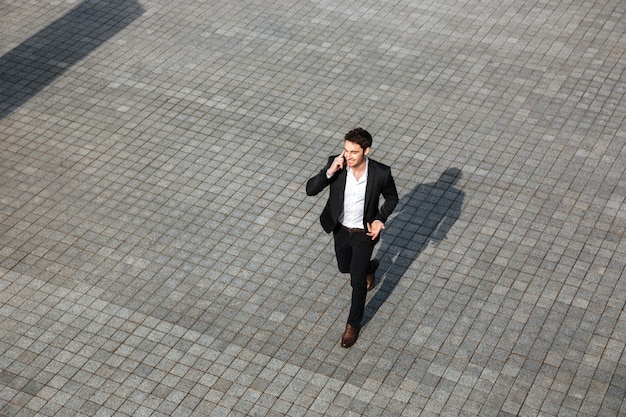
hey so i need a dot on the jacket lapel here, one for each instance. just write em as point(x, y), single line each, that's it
point(371, 177)
point(341, 186)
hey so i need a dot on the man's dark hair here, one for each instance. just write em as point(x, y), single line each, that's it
point(359, 136)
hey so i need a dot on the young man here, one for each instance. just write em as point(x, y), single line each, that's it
point(353, 215)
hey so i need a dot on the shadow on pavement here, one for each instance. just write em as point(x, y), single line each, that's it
point(39, 60)
point(427, 214)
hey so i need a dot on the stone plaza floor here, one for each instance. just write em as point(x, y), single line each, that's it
point(159, 255)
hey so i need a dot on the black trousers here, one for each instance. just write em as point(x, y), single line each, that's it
point(354, 252)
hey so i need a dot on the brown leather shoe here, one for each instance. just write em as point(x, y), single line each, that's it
point(370, 279)
point(349, 336)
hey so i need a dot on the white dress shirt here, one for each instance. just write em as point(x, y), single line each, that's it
point(354, 199)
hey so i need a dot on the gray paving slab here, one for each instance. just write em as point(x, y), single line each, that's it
point(159, 256)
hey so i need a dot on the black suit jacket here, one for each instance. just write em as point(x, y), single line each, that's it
point(379, 182)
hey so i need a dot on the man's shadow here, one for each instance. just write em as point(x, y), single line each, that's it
point(426, 215)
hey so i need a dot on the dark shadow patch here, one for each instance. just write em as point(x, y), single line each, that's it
point(39, 60)
point(427, 214)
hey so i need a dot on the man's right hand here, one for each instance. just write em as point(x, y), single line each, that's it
point(337, 165)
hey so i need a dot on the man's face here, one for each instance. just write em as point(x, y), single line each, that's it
point(354, 154)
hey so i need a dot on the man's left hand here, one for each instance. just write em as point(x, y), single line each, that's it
point(374, 228)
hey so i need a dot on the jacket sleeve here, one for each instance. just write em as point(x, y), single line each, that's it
point(316, 184)
point(390, 194)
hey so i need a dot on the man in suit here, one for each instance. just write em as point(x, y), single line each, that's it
point(354, 216)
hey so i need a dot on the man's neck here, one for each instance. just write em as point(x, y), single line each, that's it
point(359, 170)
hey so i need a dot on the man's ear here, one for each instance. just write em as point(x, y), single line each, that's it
point(366, 151)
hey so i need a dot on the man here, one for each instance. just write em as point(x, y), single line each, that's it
point(353, 215)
